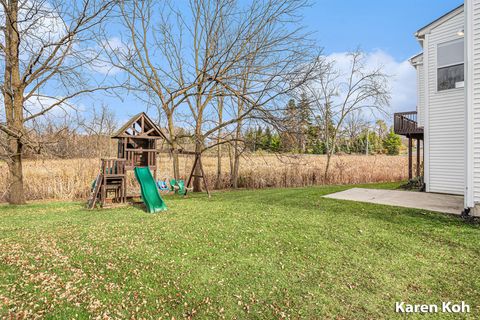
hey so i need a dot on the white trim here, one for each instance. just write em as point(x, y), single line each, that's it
point(469, 136)
point(450, 65)
point(426, 144)
point(416, 59)
point(425, 30)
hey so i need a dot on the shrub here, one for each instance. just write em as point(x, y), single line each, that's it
point(392, 143)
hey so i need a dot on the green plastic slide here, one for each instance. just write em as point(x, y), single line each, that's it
point(150, 195)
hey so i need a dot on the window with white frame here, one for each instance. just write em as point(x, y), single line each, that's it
point(450, 65)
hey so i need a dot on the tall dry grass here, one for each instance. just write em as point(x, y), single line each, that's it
point(71, 179)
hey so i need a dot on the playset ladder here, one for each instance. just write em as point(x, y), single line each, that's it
point(94, 194)
point(112, 178)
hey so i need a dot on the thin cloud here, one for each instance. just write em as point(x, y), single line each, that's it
point(103, 65)
point(402, 77)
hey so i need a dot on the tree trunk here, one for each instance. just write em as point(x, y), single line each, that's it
point(230, 157)
point(197, 185)
point(327, 167)
point(236, 152)
point(13, 99)
point(173, 146)
point(176, 164)
point(218, 183)
point(235, 168)
point(236, 158)
point(15, 170)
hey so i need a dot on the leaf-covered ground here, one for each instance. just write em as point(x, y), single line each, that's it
point(247, 254)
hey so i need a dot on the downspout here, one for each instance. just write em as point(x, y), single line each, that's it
point(426, 118)
point(469, 201)
point(417, 65)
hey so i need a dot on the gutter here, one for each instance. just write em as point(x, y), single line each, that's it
point(469, 201)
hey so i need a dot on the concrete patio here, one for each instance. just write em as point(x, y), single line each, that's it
point(420, 200)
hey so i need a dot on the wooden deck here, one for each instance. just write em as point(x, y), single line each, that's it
point(405, 124)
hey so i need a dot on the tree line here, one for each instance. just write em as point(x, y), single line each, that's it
point(306, 136)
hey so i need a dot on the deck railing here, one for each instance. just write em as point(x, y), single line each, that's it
point(405, 123)
point(113, 167)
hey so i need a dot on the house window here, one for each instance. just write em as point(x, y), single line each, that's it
point(450, 72)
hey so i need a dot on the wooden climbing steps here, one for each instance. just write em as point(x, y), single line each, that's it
point(110, 180)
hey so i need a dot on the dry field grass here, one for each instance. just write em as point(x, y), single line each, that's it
point(71, 179)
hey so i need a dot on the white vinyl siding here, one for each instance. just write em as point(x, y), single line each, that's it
point(446, 119)
point(476, 98)
point(420, 95)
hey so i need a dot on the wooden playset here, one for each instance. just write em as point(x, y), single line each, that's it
point(137, 150)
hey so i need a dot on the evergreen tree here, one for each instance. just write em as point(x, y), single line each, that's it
point(275, 144)
point(392, 143)
point(250, 139)
point(303, 122)
point(267, 139)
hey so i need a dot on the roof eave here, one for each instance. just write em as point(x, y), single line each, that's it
point(121, 132)
point(416, 59)
point(426, 29)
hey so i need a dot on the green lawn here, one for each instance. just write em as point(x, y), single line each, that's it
point(247, 254)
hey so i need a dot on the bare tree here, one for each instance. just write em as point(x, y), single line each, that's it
point(151, 53)
point(355, 123)
point(256, 56)
point(100, 124)
point(336, 94)
point(176, 59)
point(219, 140)
point(45, 55)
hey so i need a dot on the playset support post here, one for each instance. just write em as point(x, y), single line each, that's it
point(197, 162)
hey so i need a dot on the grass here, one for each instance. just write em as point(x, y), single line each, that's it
point(246, 254)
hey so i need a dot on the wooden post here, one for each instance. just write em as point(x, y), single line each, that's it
point(203, 174)
point(103, 191)
point(154, 160)
point(123, 182)
point(418, 158)
point(192, 172)
point(197, 162)
point(410, 164)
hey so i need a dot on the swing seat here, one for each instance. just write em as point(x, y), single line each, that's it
point(173, 185)
point(181, 187)
point(162, 185)
point(178, 186)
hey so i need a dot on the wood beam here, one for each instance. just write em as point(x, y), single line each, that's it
point(418, 158)
point(410, 164)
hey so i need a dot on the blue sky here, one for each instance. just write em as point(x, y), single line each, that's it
point(383, 29)
point(386, 25)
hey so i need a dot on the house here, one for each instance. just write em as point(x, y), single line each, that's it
point(447, 118)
